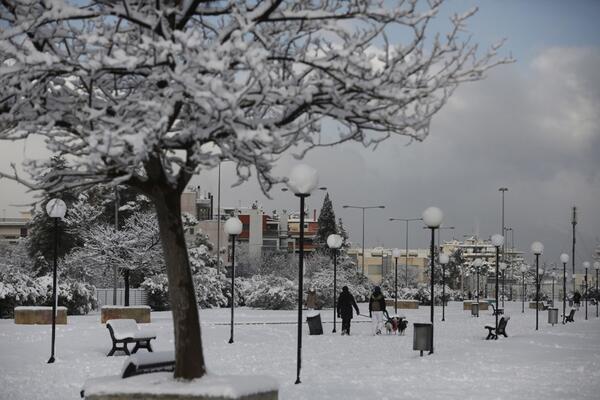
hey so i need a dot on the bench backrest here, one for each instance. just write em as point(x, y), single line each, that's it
point(502, 324)
point(122, 328)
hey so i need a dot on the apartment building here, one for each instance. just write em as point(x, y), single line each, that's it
point(12, 229)
point(379, 262)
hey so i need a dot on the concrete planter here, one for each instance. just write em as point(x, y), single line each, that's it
point(483, 305)
point(405, 304)
point(161, 385)
point(540, 305)
point(39, 315)
point(141, 314)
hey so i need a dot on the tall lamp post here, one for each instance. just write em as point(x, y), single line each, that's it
point(443, 259)
point(597, 267)
point(564, 259)
point(407, 220)
point(396, 254)
point(432, 217)
point(233, 227)
point(503, 232)
point(334, 242)
point(586, 265)
point(302, 181)
point(502, 267)
point(537, 248)
point(523, 271)
point(363, 229)
point(477, 264)
point(56, 208)
point(497, 241)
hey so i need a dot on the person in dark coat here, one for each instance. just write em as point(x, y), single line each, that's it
point(344, 309)
point(376, 309)
point(577, 299)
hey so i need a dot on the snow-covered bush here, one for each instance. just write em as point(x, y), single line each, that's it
point(18, 289)
point(156, 287)
point(270, 292)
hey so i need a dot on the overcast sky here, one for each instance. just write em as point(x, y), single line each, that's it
point(533, 126)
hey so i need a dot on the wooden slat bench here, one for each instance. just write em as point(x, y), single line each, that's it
point(125, 331)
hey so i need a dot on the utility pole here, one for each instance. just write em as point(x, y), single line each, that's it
point(503, 189)
point(573, 222)
point(116, 229)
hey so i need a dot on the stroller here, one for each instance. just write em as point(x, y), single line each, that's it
point(395, 324)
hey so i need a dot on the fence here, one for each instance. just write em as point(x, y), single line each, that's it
point(137, 297)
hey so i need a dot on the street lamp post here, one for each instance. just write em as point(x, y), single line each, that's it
point(497, 241)
point(523, 270)
point(564, 258)
point(503, 272)
point(443, 259)
point(537, 248)
point(363, 229)
point(586, 265)
point(396, 254)
point(503, 190)
point(597, 267)
point(407, 220)
point(432, 217)
point(233, 227)
point(56, 208)
point(477, 264)
point(334, 242)
point(302, 181)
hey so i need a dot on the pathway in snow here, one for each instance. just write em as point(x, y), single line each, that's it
point(554, 363)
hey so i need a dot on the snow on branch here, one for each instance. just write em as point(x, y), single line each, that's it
point(131, 90)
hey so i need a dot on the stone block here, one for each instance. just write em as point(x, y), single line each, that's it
point(39, 315)
point(141, 314)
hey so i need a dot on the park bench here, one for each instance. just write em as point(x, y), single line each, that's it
point(125, 331)
point(497, 311)
point(571, 316)
point(492, 334)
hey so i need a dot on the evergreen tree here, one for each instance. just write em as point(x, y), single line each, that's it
point(342, 232)
point(327, 224)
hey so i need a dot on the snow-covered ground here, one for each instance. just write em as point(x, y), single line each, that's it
point(557, 362)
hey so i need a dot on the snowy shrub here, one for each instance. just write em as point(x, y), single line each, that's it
point(18, 289)
point(270, 292)
point(78, 297)
point(156, 287)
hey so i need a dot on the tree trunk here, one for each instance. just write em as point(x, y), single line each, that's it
point(189, 358)
point(126, 284)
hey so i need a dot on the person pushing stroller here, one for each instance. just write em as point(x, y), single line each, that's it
point(344, 309)
point(376, 309)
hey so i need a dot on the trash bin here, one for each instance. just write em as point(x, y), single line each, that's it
point(422, 337)
point(315, 327)
point(475, 309)
point(553, 316)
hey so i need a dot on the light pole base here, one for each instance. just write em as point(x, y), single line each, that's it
point(230, 340)
point(297, 381)
point(51, 360)
point(333, 331)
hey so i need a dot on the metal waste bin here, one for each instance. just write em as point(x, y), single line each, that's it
point(422, 337)
point(315, 327)
point(553, 316)
point(475, 309)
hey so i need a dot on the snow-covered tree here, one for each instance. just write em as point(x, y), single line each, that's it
point(136, 91)
point(327, 225)
point(342, 232)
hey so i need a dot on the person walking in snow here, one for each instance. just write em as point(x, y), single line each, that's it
point(376, 309)
point(345, 304)
point(577, 299)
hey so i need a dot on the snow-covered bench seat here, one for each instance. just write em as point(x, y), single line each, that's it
point(125, 331)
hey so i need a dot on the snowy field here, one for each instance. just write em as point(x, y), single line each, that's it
point(557, 362)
